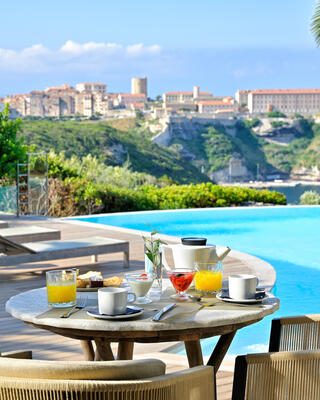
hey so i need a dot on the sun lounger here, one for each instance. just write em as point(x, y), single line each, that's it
point(3, 224)
point(30, 233)
point(16, 253)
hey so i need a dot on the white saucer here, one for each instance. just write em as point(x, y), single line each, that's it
point(244, 301)
point(95, 313)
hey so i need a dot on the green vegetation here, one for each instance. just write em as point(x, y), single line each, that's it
point(315, 23)
point(96, 172)
point(78, 196)
point(111, 146)
point(310, 197)
point(275, 114)
point(252, 123)
point(113, 143)
point(279, 124)
point(12, 148)
point(298, 116)
point(303, 151)
point(213, 147)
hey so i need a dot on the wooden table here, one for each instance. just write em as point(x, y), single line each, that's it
point(186, 323)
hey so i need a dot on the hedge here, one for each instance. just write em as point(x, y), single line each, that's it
point(77, 196)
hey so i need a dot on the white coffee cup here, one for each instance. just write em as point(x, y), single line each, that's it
point(113, 301)
point(242, 286)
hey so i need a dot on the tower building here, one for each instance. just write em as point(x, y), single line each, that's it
point(139, 86)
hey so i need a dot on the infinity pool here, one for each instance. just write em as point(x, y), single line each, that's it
point(286, 237)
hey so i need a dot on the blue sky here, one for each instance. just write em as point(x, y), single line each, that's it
point(222, 45)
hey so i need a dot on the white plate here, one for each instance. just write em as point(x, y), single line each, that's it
point(244, 301)
point(96, 314)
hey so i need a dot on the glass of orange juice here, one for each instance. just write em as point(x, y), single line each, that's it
point(61, 288)
point(208, 278)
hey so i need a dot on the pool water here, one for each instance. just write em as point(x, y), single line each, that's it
point(286, 237)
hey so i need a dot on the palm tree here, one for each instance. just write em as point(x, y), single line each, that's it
point(315, 23)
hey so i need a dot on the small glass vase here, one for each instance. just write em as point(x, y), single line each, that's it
point(156, 288)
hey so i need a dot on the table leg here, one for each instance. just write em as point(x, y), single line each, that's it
point(194, 352)
point(87, 349)
point(103, 350)
point(220, 350)
point(126, 259)
point(125, 350)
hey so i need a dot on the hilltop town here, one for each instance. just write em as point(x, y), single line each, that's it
point(268, 146)
point(93, 100)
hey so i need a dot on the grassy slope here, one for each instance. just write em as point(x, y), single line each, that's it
point(82, 138)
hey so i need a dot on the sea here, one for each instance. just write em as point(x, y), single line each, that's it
point(293, 193)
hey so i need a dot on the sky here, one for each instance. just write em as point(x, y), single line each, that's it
point(220, 45)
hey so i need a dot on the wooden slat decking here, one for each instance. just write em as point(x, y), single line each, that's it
point(15, 335)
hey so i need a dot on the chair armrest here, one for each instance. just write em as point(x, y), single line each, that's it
point(22, 354)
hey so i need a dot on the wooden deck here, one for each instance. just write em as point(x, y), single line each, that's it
point(15, 335)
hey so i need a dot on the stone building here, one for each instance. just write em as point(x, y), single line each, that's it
point(139, 86)
point(208, 107)
point(127, 100)
point(287, 101)
point(185, 100)
point(91, 87)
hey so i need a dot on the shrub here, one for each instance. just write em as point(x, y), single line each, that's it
point(310, 197)
point(278, 124)
point(275, 114)
point(78, 196)
point(12, 148)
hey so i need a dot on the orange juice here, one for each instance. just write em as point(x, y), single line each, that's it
point(208, 281)
point(63, 292)
point(61, 288)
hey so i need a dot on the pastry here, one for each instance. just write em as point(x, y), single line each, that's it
point(113, 281)
point(90, 279)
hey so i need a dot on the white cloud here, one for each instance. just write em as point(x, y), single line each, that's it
point(92, 55)
point(137, 50)
point(76, 48)
point(258, 348)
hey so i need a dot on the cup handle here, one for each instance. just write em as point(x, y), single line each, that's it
point(134, 297)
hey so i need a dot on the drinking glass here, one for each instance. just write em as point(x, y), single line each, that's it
point(61, 288)
point(208, 277)
point(181, 280)
point(140, 284)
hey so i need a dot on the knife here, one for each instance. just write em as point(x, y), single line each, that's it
point(163, 311)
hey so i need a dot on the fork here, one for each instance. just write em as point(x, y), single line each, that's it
point(82, 302)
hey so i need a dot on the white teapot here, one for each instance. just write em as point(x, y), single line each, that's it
point(192, 250)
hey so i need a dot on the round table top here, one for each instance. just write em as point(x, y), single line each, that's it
point(32, 307)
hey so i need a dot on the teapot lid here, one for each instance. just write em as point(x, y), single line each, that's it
point(194, 241)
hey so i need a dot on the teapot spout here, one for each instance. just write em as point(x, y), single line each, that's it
point(222, 251)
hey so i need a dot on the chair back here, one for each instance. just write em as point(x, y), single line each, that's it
point(295, 333)
point(277, 376)
point(106, 380)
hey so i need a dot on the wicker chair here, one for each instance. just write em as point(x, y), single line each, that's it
point(85, 380)
point(277, 376)
point(295, 333)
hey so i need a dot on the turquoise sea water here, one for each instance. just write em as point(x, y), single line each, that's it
point(286, 237)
